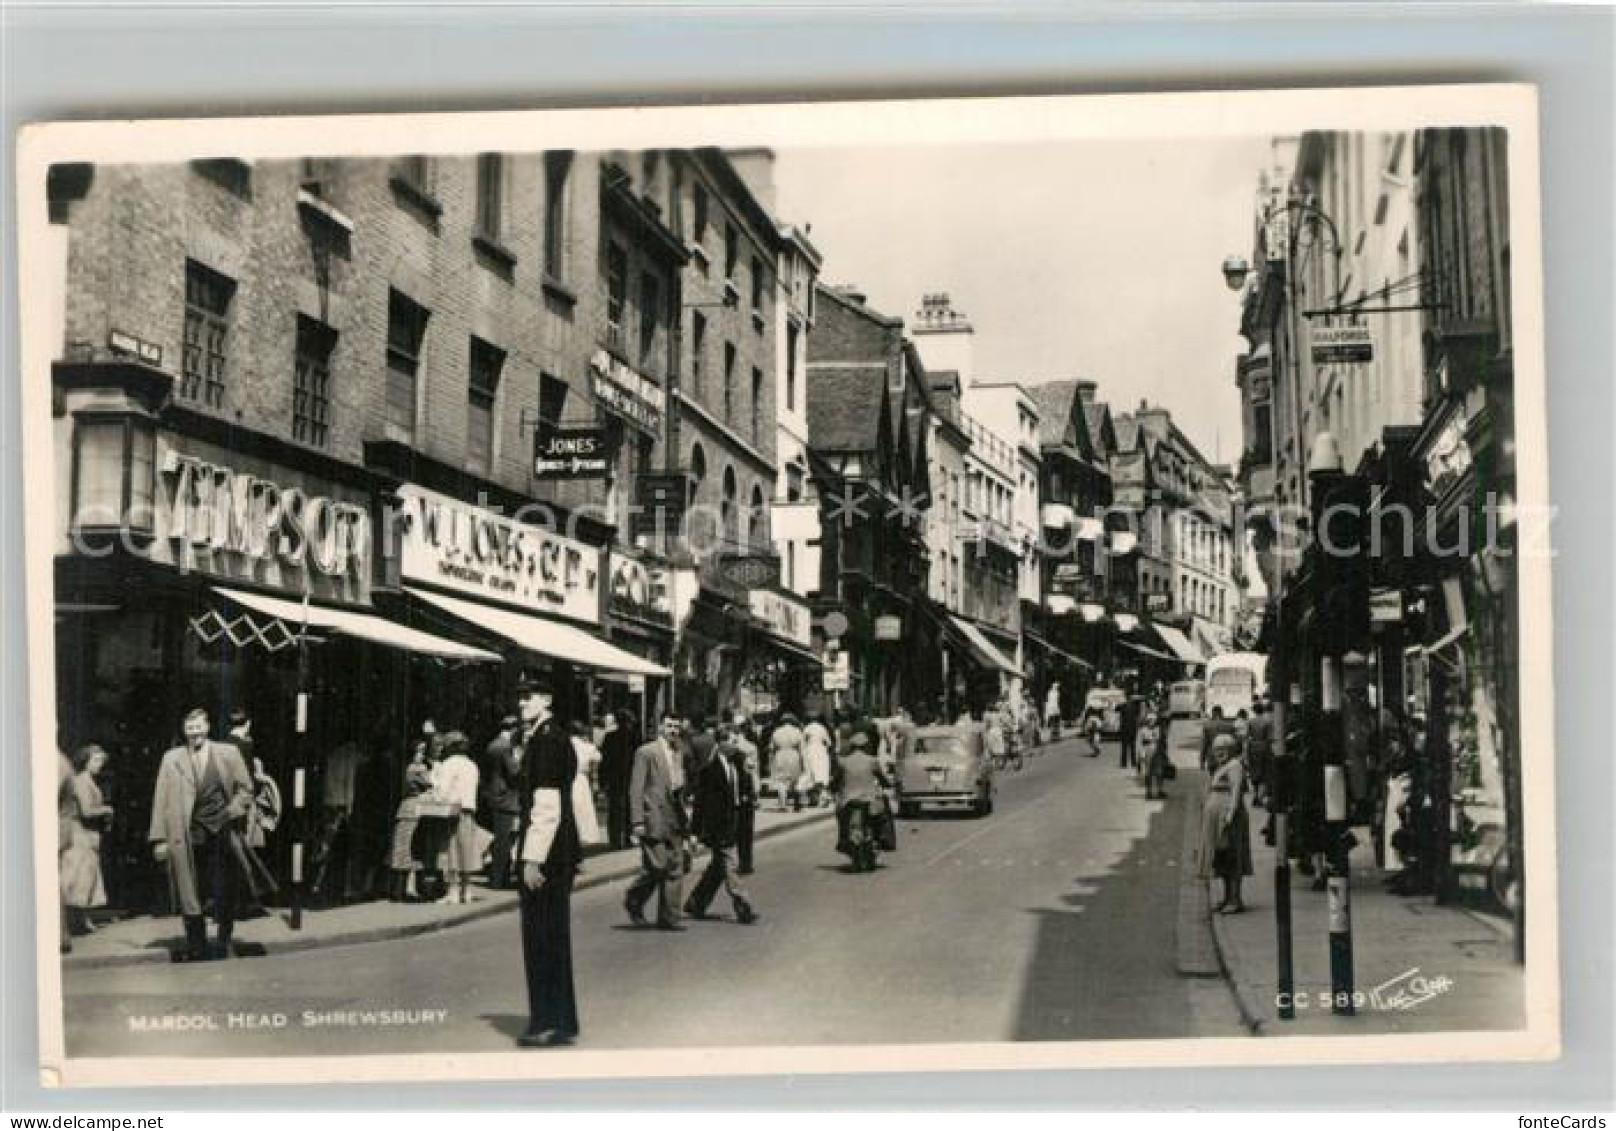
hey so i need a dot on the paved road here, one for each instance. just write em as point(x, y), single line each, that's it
point(1051, 919)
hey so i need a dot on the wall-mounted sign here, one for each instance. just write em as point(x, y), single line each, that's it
point(149, 352)
point(625, 392)
point(249, 522)
point(1158, 602)
point(660, 502)
point(838, 674)
point(787, 617)
point(572, 453)
point(749, 571)
point(1448, 457)
point(1385, 606)
point(474, 550)
point(889, 628)
point(639, 589)
point(1342, 344)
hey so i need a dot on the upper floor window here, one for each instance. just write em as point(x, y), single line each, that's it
point(757, 283)
point(698, 212)
point(616, 292)
point(729, 381)
point(406, 336)
point(490, 194)
point(482, 391)
point(557, 167)
point(698, 347)
point(311, 382)
point(552, 398)
point(791, 368)
point(732, 250)
point(650, 310)
point(757, 404)
point(206, 346)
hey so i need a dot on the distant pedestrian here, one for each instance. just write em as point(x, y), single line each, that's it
point(1214, 727)
point(454, 780)
point(403, 862)
point(720, 796)
point(818, 751)
point(1225, 846)
point(67, 811)
point(1128, 733)
point(617, 748)
point(744, 753)
point(786, 762)
point(83, 888)
point(499, 799)
point(660, 825)
point(1052, 713)
point(1260, 751)
point(551, 855)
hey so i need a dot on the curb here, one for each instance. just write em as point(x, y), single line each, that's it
point(1250, 1016)
point(359, 936)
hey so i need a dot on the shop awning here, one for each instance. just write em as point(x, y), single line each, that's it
point(544, 636)
point(987, 655)
point(792, 651)
point(1061, 652)
point(362, 626)
point(1144, 651)
point(1179, 644)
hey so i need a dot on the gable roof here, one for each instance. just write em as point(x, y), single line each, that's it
point(1102, 432)
point(845, 405)
point(1127, 431)
point(1054, 401)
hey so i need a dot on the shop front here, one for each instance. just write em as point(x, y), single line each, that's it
point(640, 592)
point(782, 671)
point(199, 564)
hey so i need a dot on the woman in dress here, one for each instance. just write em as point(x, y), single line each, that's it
point(1225, 849)
point(83, 888)
point(406, 819)
point(817, 751)
point(785, 761)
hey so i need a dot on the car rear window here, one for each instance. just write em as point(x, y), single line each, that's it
point(938, 744)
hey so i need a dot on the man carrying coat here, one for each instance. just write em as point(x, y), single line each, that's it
point(201, 799)
point(551, 853)
point(723, 792)
point(656, 812)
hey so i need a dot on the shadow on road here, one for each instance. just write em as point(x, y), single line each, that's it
point(1106, 968)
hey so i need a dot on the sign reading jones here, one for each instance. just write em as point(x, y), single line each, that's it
point(572, 453)
point(216, 512)
point(461, 546)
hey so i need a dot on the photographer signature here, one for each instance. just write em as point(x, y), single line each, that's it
point(1409, 989)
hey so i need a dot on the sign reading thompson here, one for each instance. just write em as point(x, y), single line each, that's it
point(457, 545)
point(1336, 344)
point(625, 392)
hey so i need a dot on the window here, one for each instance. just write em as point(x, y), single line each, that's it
point(698, 471)
point(481, 392)
point(650, 304)
point(207, 334)
point(732, 251)
point(729, 508)
point(616, 293)
point(415, 171)
point(676, 198)
point(794, 482)
point(557, 166)
point(757, 404)
point(552, 398)
point(791, 369)
point(698, 344)
point(758, 520)
point(317, 176)
point(406, 331)
point(698, 208)
point(311, 382)
point(490, 194)
point(729, 381)
point(757, 284)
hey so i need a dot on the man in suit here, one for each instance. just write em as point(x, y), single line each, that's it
point(202, 796)
point(499, 797)
point(551, 854)
point(722, 788)
point(616, 762)
point(659, 825)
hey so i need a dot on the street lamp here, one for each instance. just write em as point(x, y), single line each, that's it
point(1235, 270)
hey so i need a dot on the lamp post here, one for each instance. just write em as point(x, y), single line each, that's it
point(1299, 216)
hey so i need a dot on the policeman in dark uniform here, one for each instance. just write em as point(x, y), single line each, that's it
point(550, 854)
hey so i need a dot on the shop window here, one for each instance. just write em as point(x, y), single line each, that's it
point(616, 293)
point(206, 346)
point(406, 334)
point(311, 382)
point(482, 394)
point(557, 168)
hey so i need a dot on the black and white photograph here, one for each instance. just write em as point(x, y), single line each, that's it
point(1035, 582)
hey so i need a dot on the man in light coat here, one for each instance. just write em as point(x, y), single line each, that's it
point(201, 799)
point(660, 826)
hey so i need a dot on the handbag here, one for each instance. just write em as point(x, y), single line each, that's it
point(1169, 772)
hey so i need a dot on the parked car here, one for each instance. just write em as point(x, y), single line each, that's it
point(1105, 703)
point(946, 767)
point(1186, 699)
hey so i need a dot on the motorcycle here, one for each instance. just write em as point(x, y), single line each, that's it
point(860, 836)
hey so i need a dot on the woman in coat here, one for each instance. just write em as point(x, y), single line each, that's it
point(785, 761)
point(1225, 848)
point(83, 888)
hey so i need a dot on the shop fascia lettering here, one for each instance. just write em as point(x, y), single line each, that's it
point(472, 549)
point(785, 617)
point(219, 510)
point(640, 590)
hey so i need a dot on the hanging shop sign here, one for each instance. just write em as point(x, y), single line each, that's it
point(639, 590)
point(786, 617)
point(838, 674)
point(233, 516)
point(889, 628)
point(1448, 457)
point(1342, 344)
point(749, 571)
point(572, 453)
point(460, 546)
point(625, 392)
point(1385, 606)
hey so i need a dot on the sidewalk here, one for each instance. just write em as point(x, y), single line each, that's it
point(147, 939)
point(1419, 967)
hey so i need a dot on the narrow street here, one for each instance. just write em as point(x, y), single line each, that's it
point(1060, 924)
